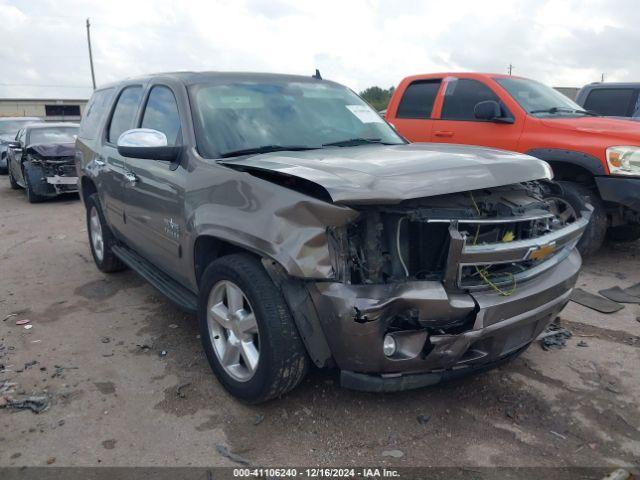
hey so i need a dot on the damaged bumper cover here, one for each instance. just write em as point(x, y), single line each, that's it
point(464, 330)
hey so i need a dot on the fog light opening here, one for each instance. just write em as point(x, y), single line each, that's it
point(389, 346)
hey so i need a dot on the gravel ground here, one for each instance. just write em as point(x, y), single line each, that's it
point(116, 401)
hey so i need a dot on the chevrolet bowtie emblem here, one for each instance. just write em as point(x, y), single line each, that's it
point(542, 252)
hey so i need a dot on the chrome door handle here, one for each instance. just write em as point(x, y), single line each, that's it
point(99, 162)
point(131, 178)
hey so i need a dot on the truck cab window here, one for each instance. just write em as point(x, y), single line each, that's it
point(418, 99)
point(614, 102)
point(461, 97)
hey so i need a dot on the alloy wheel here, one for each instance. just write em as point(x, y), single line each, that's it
point(233, 330)
point(95, 230)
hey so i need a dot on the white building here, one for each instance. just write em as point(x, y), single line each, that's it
point(54, 110)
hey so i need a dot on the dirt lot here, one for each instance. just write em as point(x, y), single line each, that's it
point(116, 401)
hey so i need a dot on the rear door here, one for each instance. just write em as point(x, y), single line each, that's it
point(113, 174)
point(14, 156)
point(155, 217)
point(413, 115)
point(457, 123)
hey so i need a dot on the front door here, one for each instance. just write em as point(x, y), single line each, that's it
point(457, 122)
point(112, 167)
point(155, 195)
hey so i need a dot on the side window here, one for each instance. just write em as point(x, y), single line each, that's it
point(461, 97)
point(161, 113)
point(616, 102)
point(94, 112)
point(21, 136)
point(418, 99)
point(124, 113)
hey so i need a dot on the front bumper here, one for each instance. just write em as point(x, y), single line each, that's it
point(621, 190)
point(491, 327)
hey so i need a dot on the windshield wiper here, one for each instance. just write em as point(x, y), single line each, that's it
point(352, 142)
point(554, 110)
point(265, 149)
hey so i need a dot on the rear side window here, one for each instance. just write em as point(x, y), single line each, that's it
point(161, 113)
point(461, 97)
point(615, 102)
point(94, 113)
point(125, 112)
point(418, 99)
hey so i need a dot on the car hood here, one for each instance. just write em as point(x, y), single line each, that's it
point(53, 149)
point(393, 173)
point(605, 126)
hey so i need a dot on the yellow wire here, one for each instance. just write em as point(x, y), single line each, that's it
point(483, 273)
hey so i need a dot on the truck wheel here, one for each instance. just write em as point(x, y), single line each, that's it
point(594, 235)
point(12, 181)
point(32, 196)
point(100, 238)
point(624, 233)
point(247, 331)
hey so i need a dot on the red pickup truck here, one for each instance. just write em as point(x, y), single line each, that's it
point(593, 156)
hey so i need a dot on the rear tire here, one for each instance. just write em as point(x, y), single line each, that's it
point(100, 238)
point(594, 235)
point(624, 233)
point(281, 361)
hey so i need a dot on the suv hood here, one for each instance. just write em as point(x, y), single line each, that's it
point(393, 173)
point(605, 126)
point(53, 149)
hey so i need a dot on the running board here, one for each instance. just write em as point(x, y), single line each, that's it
point(183, 298)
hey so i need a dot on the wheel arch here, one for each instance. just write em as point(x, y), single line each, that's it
point(87, 188)
point(570, 165)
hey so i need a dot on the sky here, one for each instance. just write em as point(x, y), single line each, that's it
point(359, 43)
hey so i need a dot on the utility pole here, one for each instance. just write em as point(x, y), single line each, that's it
point(93, 75)
point(510, 69)
point(602, 77)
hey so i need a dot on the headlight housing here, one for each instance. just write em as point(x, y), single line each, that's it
point(624, 160)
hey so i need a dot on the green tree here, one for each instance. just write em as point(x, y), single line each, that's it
point(377, 97)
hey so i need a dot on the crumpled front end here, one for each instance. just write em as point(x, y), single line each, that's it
point(433, 288)
point(52, 169)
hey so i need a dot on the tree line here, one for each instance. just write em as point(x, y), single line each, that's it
point(377, 97)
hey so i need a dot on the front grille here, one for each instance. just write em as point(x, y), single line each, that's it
point(502, 251)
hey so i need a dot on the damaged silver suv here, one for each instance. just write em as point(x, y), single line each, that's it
point(302, 228)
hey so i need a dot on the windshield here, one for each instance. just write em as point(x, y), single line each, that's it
point(235, 117)
point(53, 135)
point(538, 99)
point(11, 127)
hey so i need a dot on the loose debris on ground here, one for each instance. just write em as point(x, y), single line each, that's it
point(555, 336)
point(35, 404)
point(594, 302)
point(225, 452)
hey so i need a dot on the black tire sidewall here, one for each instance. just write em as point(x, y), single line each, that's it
point(270, 311)
point(109, 263)
point(594, 235)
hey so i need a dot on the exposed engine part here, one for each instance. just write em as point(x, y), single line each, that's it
point(411, 240)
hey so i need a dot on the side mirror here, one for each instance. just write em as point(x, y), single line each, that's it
point(14, 145)
point(487, 110)
point(146, 143)
point(490, 110)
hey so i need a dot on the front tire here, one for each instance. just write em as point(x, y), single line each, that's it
point(12, 181)
point(32, 196)
point(594, 235)
point(247, 331)
point(100, 238)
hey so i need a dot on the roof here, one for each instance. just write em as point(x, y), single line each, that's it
point(460, 74)
point(192, 78)
point(613, 85)
point(52, 124)
point(26, 119)
point(43, 100)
